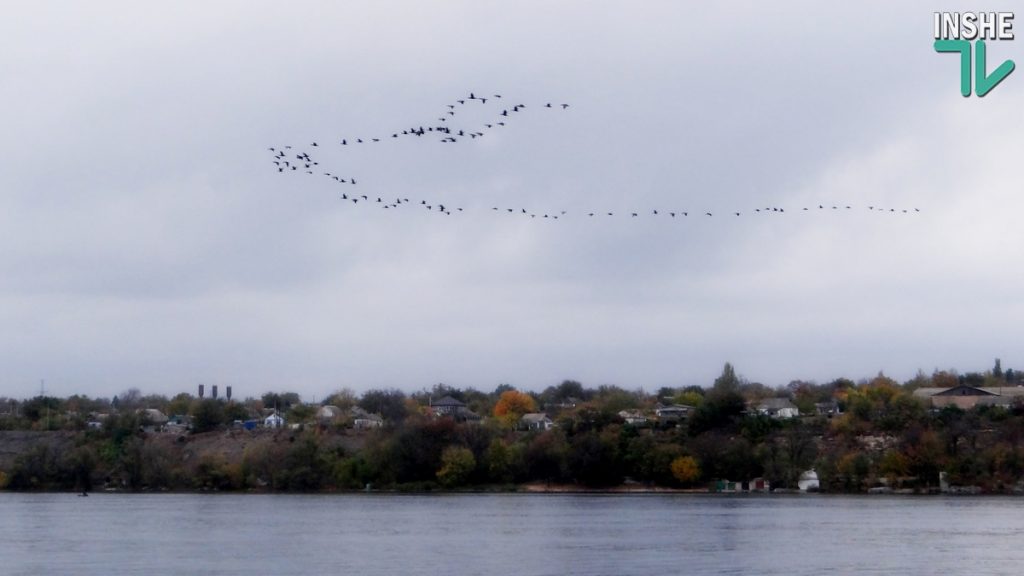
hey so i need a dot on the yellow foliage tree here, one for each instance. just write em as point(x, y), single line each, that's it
point(512, 405)
point(685, 469)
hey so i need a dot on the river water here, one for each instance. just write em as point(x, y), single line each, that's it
point(520, 534)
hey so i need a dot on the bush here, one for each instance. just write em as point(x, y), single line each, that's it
point(457, 463)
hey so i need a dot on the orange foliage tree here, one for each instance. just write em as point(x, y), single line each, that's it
point(685, 469)
point(512, 405)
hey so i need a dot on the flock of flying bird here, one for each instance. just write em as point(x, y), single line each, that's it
point(288, 160)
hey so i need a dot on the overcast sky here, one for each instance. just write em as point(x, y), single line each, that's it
point(147, 240)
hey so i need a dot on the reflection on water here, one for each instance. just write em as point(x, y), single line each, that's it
point(525, 534)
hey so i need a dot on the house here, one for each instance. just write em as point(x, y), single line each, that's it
point(672, 413)
point(966, 397)
point(327, 415)
point(536, 421)
point(365, 421)
point(777, 408)
point(274, 421)
point(447, 406)
point(633, 417)
point(453, 408)
point(830, 408)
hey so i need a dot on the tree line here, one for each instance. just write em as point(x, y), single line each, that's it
point(856, 435)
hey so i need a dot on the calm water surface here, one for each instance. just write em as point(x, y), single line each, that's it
point(521, 534)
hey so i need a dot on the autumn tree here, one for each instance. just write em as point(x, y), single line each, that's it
point(685, 469)
point(512, 405)
point(690, 396)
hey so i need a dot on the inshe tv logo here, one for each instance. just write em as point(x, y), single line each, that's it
point(954, 33)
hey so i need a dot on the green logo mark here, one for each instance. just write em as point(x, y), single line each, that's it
point(983, 82)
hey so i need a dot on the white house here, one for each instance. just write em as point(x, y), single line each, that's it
point(778, 408)
point(633, 417)
point(366, 421)
point(274, 421)
point(536, 421)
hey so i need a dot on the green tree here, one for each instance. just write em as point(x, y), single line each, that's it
point(207, 415)
point(545, 456)
point(390, 404)
point(723, 405)
point(305, 466)
point(280, 401)
point(457, 463)
point(82, 463)
point(344, 399)
point(179, 404)
point(593, 460)
point(300, 413)
point(727, 382)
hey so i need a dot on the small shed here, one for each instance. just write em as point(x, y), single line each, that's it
point(274, 421)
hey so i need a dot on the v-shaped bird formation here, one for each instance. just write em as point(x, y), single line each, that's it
point(444, 130)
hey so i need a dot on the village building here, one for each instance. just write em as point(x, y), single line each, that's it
point(672, 414)
point(365, 421)
point(777, 408)
point(633, 417)
point(966, 397)
point(536, 421)
point(327, 415)
point(453, 408)
point(153, 419)
point(275, 420)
